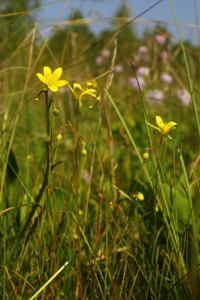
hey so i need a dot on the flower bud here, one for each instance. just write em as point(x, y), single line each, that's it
point(145, 155)
point(138, 196)
point(157, 207)
point(76, 237)
point(36, 99)
point(56, 112)
point(84, 152)
point(98, 98)
point(59, 137)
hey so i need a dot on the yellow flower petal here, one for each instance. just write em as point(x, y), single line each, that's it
point(159, 122)
point(61, 83)
point(77, 86)
point(47, 71)
point(57, 73)
point(89, 92)
point(170, 126)
point(42, 78)
point(53, 88)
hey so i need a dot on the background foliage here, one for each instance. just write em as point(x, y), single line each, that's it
point(116, 246)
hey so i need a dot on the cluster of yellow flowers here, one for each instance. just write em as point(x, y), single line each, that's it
point(53, 82)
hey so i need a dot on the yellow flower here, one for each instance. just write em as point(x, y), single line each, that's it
point(79, 92)
point(51, 79)
point(163, 128)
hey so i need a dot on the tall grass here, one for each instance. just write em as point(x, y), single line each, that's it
point(116, 223)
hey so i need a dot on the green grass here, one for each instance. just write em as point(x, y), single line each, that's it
point(71, 226)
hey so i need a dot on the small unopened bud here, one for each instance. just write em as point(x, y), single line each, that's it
point(76, 237)
point(84, 152)
point(98, 98)
point(145, 155)
point(56, 112)
point(138, 196)
point(36, 99)
point(157, 207)
point(59, 137)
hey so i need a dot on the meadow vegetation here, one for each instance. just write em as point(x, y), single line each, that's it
point(99, 195)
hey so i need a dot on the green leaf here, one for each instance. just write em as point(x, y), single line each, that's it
point(12, 167)
point(179, 205)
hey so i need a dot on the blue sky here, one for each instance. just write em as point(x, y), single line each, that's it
point(100, 13)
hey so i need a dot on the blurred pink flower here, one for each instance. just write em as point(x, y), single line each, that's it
point(164, 56)
point(132, 81)
point(86, 176)
point(143, 53)
point(166, 78)
point(118, 68)
point(142, 71)
point(99, 60)
point(105, 52)
point(155, 96)
point(142, 50)
point(160, 39)
point(184, 96)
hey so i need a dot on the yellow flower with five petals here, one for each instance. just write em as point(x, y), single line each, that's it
point(163, 128)
point(78, 92)
point(52, 79)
